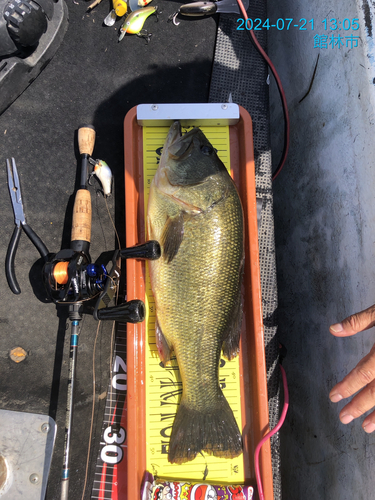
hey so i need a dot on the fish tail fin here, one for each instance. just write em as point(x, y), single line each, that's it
point(214, 431)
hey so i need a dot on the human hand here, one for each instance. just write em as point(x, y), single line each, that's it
point(361, 378)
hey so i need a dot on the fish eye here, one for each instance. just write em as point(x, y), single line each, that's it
point(207, 150)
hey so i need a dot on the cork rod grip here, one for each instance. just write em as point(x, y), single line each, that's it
point(86, 139)
point(81, 226)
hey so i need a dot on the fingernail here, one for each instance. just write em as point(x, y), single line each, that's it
point(335, 398)
point(337, 328)
point(346, 419)
point(370, 427)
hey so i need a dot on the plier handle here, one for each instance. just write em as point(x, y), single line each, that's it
point(20, 221)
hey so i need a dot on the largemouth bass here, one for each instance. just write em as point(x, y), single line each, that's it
point(195, 213)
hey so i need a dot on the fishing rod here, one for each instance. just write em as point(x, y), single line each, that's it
point(69, 276)
point(79, 243)
point(84, 280)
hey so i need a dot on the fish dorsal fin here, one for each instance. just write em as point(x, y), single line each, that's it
point(172, 236)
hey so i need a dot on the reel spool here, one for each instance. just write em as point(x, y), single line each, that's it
point(71, 277)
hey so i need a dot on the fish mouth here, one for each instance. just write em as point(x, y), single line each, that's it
point(182, 145)
point(177, 145)
point(174, 134)
point(186, 160)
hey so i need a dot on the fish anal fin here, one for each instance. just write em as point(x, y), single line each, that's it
point(172, 236)
point(164, 349)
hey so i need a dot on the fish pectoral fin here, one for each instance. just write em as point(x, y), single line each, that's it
point(172, 236)
point(164, 349)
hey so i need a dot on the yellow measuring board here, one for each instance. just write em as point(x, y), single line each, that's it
point(163, 385)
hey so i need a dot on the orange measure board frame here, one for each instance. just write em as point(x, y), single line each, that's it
point(253, 379)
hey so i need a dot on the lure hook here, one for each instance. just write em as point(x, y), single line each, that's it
point(90, 177)
point(90, 183)
point(173, 17)
point(146, 35)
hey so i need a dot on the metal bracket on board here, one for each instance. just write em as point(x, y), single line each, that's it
point(26, 446)
point(209, 114)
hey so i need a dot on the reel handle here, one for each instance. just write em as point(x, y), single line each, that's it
point(149, 250)
point(133, 311)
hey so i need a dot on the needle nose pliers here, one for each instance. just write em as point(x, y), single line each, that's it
point(20, 221)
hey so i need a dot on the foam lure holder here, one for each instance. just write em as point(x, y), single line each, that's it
point(153, 489)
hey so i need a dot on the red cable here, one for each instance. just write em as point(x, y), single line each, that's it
point(270, 434)
point(281, 91)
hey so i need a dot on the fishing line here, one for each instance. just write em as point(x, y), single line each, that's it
point(111, 367)
point(92, 410)
point(270, 434)
point(60, 272)
point(113, 327)
point(93, 364)
point(113, 224)
point(280, 88)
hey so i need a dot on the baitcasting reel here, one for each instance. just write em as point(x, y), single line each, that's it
point(71, 277)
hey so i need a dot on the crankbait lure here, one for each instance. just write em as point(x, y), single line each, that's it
point(137, 4)
point(133, 24)
point(104, 174)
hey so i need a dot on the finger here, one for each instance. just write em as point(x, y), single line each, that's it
point(362, 375)
point(360, 404)
point(355, 323)
point(369, 423)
